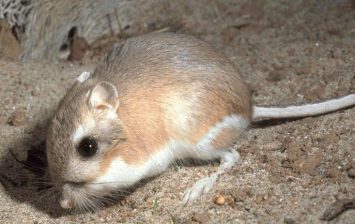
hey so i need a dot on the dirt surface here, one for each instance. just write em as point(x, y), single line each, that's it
point(289, 52)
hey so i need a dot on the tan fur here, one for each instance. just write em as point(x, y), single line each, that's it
point(144, 129)
point(169, 86)
point(225, 138)
point(149, 125)
point(147, 108)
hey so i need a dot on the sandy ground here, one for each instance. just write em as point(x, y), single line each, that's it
point(289, 52)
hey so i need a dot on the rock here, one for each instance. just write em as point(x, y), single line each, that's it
point(259, 198)
point(9, 46)
point(219, 200)
point(18, 118)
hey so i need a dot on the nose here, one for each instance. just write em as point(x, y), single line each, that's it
point(68, 190)
point(66, 203)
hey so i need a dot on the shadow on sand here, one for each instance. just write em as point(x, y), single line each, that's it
point(27, 180)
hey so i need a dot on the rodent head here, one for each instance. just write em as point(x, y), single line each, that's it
point(85, 127)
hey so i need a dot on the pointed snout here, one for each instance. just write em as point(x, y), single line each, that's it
point(68, 190)
point(66, 203)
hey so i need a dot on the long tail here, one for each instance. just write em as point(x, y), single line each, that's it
point(307, 110)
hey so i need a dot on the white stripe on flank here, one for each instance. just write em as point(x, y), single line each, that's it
point(121, 174)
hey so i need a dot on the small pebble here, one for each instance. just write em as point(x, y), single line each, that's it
point(259, 198)
point(219, 200)
point(18, 118)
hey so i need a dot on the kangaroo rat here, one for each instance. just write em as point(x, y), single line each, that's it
point(156, 98)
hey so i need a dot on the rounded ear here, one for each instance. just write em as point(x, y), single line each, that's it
point(104, 96)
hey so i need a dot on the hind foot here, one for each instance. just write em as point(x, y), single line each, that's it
point(204, 185)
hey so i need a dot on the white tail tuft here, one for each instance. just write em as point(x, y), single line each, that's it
point(312, 109)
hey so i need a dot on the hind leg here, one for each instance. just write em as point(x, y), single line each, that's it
point(217, 144)
point(204, 185)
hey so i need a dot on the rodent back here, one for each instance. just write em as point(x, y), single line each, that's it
point(159, 60)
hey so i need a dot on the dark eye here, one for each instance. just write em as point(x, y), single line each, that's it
point(87, 147)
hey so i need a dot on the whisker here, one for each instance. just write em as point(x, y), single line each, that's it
point(112, 182)
point(80, 204)
point(118, 193)
point(18, 177)
point(105, 199)
point(94, 205)
point(43, 196)
point(97, 202)
point(46, 194)
point(98, 199)
point(26, 164)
